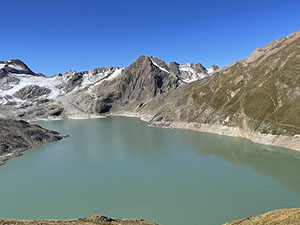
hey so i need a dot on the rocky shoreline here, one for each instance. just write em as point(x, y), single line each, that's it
point(19, 136)
point(290, 142)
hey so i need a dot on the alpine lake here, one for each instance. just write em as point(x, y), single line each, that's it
point(122, 168)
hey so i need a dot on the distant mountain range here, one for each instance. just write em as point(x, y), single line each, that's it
point(257, 97)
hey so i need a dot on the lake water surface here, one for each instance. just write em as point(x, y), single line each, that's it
point(122, 168)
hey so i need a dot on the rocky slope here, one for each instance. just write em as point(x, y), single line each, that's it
point(94, 220)
point(27, 95)
point(275, 217)
point(17, 136)
point(257, 98)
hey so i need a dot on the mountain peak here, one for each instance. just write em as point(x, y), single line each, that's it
point(15, 66)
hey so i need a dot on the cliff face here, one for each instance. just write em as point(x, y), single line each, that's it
point(17, 136)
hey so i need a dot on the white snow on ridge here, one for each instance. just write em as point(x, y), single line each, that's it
point(110, 77)
point(55, 83)
point(210, 70)
point(3, 100)
point(115, 74)
point(90, 78)
point(186, 80)
point(161, 68)
point(26, 80)
point(190, 74)
point(15, 66)
point(99, 78)
point(186, 68)
point(2, 65)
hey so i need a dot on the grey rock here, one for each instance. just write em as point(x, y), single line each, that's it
point(17, 136)
point(32, 92)
point(16, 63)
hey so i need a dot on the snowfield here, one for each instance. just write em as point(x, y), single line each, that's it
point(191, 75)
point(55, 84)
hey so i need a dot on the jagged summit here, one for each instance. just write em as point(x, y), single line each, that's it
point(145, 78)
point(187, 72)
point(15, 66)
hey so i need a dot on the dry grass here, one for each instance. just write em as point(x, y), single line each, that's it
point(94, 220)
point(276, 217)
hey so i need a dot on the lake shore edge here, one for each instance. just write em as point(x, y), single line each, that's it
point(274, 217)
point(18, 136)
point(289, 142)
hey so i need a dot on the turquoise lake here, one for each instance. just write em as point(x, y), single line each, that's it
point(121, 168)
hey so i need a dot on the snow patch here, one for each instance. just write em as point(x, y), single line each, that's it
point(161, 68)
point(2, 65)
point(227, 119)
point(15, 66)
point(115, 74)
point(190, 75)
point(90, 78)
point(186, 68)
point(26, 80)
point(210, 70)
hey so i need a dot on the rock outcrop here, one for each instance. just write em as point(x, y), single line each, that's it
point(18, 136)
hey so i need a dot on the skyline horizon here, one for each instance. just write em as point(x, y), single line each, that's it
point(206, 66)
point(55, 36)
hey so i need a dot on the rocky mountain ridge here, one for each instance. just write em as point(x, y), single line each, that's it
point(257, 97)
point(30, 96)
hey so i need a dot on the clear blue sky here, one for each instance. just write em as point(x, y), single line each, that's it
point(54, 36)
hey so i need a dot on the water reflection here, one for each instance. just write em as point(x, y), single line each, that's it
point(281, 164)
point(128, 136)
